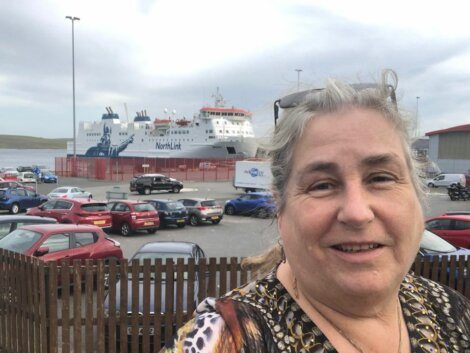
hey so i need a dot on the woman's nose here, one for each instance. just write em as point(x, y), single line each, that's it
point(355, 209)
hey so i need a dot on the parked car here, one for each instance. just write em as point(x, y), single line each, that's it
point(8, 223)
point(156, 250)
point(129, 216)
point(75, 211)
point(446, 180)
point(21, 169)
point(132, 183)
point(433, 245)
point(16, 200)
point(52, 242)
point(453, 227)
point(203, 210)
point(27, 177)
point(170, 212)
point(48, 177)
point(14, 184)
point(10, 175)
point(147, 184)
point(261, 204)
point(69, 192)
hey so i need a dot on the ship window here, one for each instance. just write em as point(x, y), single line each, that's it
point(217, 122)
point(231, 150)
point(230, 114)
point(210, 131)
point(218, 113)
point(220, 131)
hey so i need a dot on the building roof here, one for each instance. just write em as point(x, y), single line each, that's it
point(459, 128)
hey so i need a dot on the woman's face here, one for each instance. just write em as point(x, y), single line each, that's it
point(352, 221)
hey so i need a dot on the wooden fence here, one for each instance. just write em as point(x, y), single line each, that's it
point(83, 307)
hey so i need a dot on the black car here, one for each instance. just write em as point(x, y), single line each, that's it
point(170, 212)
point(9, 223)
point(155, 250)
point(147, 184)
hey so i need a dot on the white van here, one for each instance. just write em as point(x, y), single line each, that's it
point(446, 180)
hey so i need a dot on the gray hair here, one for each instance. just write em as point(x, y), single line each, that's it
point(335, 97)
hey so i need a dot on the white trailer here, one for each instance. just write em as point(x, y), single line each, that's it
point(252, 175)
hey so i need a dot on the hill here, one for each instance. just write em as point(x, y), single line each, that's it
point(30, 142)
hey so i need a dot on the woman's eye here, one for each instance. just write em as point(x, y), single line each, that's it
point(382, 178)
point(323, 186)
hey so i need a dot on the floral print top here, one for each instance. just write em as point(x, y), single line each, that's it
point(263, 317)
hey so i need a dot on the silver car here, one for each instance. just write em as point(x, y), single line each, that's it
point(69, 192)
point(200, 210)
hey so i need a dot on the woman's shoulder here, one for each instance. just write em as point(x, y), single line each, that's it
point(450, 308)
point(226, 324)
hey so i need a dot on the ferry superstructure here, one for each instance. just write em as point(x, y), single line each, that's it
point(216, 132)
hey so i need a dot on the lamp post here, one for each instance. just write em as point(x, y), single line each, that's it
point(73, 19)
point(298, 78)
point(417, 118)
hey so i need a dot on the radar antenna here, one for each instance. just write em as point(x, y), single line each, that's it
point(219, 100)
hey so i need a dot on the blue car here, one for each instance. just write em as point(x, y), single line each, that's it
point(171, 212)
point(48, 177)
point(260, 204)
point(19, 199)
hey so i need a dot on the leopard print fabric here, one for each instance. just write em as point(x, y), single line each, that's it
point(263, 317)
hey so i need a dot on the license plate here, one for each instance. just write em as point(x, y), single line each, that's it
point(215, 217)
point(148, 224)
point(99, 222)
point(180, 221)
point(141, 331)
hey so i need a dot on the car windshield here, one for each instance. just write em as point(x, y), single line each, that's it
point(94, 207)
point(209, 203)
point(174, 205)
point(142, 207)
point(19, 240)
point(433, 243)
point(60, 191)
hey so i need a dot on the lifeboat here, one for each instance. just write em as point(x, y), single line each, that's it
point(162, 122)
point(182, 122)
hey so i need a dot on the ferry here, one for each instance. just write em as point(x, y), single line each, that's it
point(216, 132)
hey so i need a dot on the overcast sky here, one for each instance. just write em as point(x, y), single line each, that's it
point(173, 54)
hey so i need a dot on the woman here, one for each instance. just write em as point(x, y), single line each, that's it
point(350, 221)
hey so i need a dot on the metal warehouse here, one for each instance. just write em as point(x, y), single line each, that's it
point(450, 149)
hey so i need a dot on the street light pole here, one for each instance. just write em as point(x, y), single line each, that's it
point(417, 117)
point(298, 78)
point(73, 19)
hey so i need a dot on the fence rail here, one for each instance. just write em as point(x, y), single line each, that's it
point(127, 307)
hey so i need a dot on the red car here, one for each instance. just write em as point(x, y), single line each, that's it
point(129, 216)
point(14, 184)
point(76, 211)
point(52, 242)
point(453, 227)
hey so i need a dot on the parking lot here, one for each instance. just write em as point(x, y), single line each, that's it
point(236, 235)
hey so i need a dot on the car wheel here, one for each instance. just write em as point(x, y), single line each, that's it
point(431, 185)
point(262, 213)
point(147, 191)
point(140, 192)
point(217, 221)
point(181, 225)
point(175, 189)
point(151, 230)
point(15, 208)
point(125, 229)
point(194, 220)
point(230, 210)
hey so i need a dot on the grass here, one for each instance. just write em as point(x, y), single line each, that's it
point(30, 142)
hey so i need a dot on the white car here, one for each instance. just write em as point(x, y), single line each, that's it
point(27, 177)
point(69, 192)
